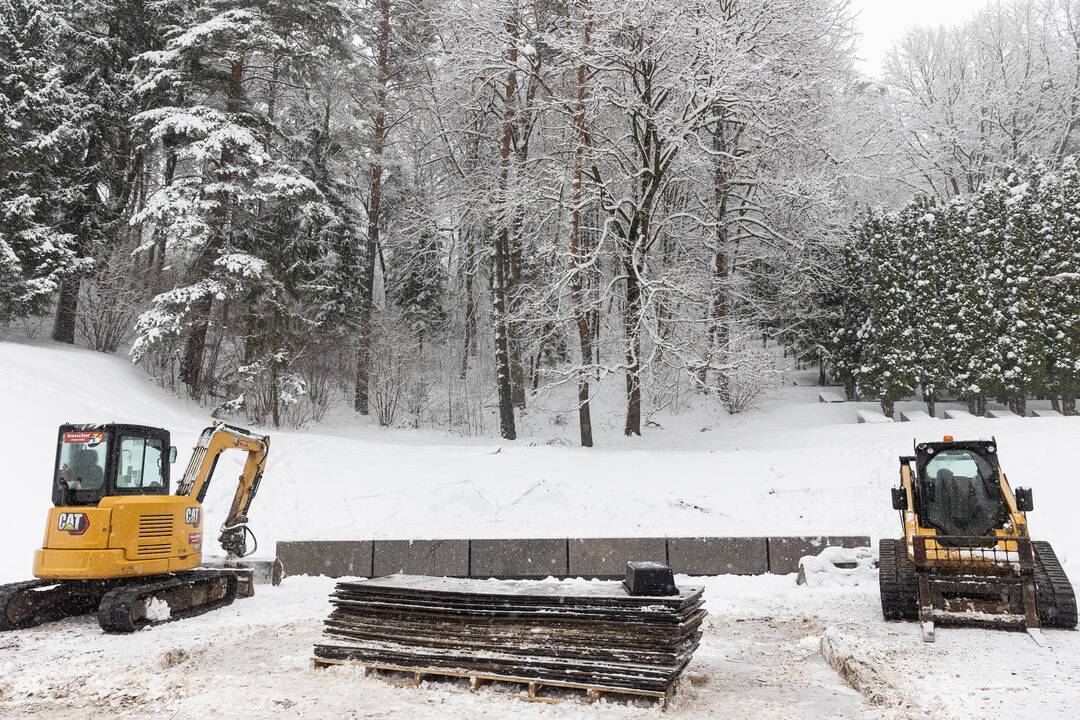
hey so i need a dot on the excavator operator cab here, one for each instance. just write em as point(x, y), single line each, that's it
point(97, 461)
point(958, 489)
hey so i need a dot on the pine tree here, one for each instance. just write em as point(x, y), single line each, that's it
point(845, 343)
point(925, 228)
point(419, 283)
point(100, 38)
point(1057, 230)
point(1020, 342)
point(40, 138)
point(977, 366)
point(243, 201)
point(888, 370)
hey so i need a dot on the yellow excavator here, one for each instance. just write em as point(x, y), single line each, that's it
point(116, 541)
point(966, 556)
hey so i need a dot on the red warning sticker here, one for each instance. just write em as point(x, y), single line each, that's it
point(194, 538)
point(90, 439)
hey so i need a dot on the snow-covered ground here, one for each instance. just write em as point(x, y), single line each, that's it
point(795, 466)
point(761, 658)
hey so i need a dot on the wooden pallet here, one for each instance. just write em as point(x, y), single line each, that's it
point(533, 685)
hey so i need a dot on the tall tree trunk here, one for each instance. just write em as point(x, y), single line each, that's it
point(155, 278)
point(577, 290)
point(67, 308)
point(192, 360)
point(501, 256)
point(191, 363)
point(632, 330)
point(719, 327)
point(470, 307)
point(367, 302)
point(517, 367)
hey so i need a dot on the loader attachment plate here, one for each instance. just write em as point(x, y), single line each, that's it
point(969, 581)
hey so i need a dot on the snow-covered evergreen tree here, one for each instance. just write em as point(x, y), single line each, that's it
point(888, 369)
point(973, 361)
point(419, 283)
point(1057, 232)
point(845, 343)
point(242, 202)
point(99, 38)
point(40, 140)
point(933, 284)
point(1021, 348)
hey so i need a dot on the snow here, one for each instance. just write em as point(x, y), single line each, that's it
point(253, 660)
point(795, 467)
point(761, 657)
point(798, 467)
point(158, 610)
point(825, 569)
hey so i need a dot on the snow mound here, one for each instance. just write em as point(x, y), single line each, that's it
point(157, 610)
point(839, 567)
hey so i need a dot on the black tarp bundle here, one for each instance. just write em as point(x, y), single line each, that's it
point(587, 633)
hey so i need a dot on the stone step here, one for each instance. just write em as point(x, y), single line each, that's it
point(871, 416)
point(915, 416)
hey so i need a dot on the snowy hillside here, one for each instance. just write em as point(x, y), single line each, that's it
point(796, 467)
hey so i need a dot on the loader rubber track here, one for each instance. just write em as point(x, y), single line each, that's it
point(1054, 596)
point(124, 609)
point(896, 580)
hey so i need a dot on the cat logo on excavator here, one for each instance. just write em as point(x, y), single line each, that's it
point(73, 522)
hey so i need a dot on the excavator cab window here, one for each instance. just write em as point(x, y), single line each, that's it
point(80, 465)
point(96, 461)
point(141, 463)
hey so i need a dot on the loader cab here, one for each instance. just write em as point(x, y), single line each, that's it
point(957, 488)
point(98, 461)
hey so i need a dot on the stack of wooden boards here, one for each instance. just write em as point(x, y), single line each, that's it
point(591, 635)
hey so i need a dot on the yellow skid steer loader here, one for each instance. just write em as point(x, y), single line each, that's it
point(966, 557)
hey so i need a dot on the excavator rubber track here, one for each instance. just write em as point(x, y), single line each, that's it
point(1055, 599)
point(132, 607)
point(35, 602)
point(122, 605)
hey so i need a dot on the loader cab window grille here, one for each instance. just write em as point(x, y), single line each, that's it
point(960, 494)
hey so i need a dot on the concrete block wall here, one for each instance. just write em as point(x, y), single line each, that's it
point(421, 557)
point(333, 558)
point(518, 558)
point(607, 557)
point(559, 557)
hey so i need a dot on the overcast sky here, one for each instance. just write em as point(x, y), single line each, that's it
point(882, 22)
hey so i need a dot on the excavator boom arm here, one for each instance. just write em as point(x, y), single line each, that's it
point(215, 440)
